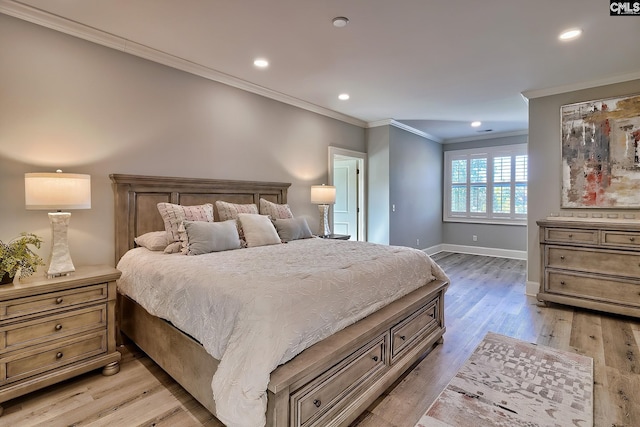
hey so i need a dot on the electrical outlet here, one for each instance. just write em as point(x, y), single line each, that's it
point(475, 238)
point(417, 242)
point(393, 207)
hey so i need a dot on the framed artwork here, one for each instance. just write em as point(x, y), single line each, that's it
point(601, 153)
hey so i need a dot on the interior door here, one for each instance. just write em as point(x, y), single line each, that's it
point(345, 210)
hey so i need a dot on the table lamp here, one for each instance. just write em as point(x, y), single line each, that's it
point(48, 191)
point(323, 196)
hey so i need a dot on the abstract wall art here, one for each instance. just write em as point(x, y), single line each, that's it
point(601, 153)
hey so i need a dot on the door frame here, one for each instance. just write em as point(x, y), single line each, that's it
point(336, 153)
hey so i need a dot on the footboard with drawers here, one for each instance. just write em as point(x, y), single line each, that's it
point(591, 264)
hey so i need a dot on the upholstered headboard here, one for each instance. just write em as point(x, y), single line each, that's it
point(137, 196)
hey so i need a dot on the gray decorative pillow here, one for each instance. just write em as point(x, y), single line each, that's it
point(258, 230)
point(292, 229)
point(205, 237)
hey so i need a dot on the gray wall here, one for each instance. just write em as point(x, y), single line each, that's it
point(544, 158)
point(495, 236)
point(405, 170)
point(378, 191)
point(70, 104)
point(415, 169)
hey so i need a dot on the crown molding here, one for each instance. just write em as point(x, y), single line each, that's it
point(487, 136)
point(81, 31)
point(539, 93)
point(394, 123)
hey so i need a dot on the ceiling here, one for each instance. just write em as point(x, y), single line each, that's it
point(433, 65)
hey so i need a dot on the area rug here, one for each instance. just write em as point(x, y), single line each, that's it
point(511, 383)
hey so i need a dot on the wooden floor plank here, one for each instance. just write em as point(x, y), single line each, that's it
point(486, 294)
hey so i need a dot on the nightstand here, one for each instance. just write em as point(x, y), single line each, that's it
point(55, 329)
point(337, 236)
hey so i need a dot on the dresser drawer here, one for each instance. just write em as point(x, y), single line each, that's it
point(313, 404)
point(419, 323)
point(597, 288)
point(48, 357)
point(621, 239)
point(564, 235)
point(594, 261)
point(52, 301)
point(53, 327)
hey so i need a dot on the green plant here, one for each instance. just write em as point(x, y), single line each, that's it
point(16, 255)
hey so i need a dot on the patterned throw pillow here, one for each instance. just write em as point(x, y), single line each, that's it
point(173, 215)
point(274, 210)
point(227, 211)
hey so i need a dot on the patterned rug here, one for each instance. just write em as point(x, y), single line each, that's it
point(508, 382)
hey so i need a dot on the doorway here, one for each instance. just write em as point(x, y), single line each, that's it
point(347, 172)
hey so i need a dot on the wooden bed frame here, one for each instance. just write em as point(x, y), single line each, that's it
point(328, 384)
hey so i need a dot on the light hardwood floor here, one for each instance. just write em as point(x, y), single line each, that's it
point(486, 294)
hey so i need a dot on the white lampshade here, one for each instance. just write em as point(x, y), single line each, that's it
point(58, 191)
point(323, 194)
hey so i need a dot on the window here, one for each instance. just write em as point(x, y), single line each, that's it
point(486, 185)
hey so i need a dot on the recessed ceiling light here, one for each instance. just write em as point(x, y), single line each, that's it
point(343, 96)
point(261, 63)
point(476, 124)
point(571, 34)
point(340, 21)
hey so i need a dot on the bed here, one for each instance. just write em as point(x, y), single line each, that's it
point(330, 382)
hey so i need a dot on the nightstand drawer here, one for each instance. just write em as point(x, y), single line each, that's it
point(54, 355)
point(404, 334)
point(58, 326)
point(52, 301)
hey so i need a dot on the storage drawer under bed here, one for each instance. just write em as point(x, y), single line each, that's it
point(330, 392)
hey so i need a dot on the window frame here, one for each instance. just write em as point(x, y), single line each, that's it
point(490, 153)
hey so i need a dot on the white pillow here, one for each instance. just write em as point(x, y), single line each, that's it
point(154, 240)
point(258, 230)
point(205, 237)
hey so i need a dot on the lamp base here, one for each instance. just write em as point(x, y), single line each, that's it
point(324, 229)
point(60, 263)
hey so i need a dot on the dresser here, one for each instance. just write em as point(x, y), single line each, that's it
point(54, 329)
point(593, 264)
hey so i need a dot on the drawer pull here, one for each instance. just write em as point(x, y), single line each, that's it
point(562, 282)
point(58, 327)
point(375, 358)
point(632, 239)
point(403, 337)
point(59, 300)
point(562, 257)
point(59, 355)
point(570, 235)
point(317, 402)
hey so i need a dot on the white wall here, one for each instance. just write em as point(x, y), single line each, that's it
point(70, 104)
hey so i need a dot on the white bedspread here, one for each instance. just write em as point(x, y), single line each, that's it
point(256, 308)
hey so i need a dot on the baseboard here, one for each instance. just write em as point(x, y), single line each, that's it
point(532, 288)
point(433, 250)
point(478, 250)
